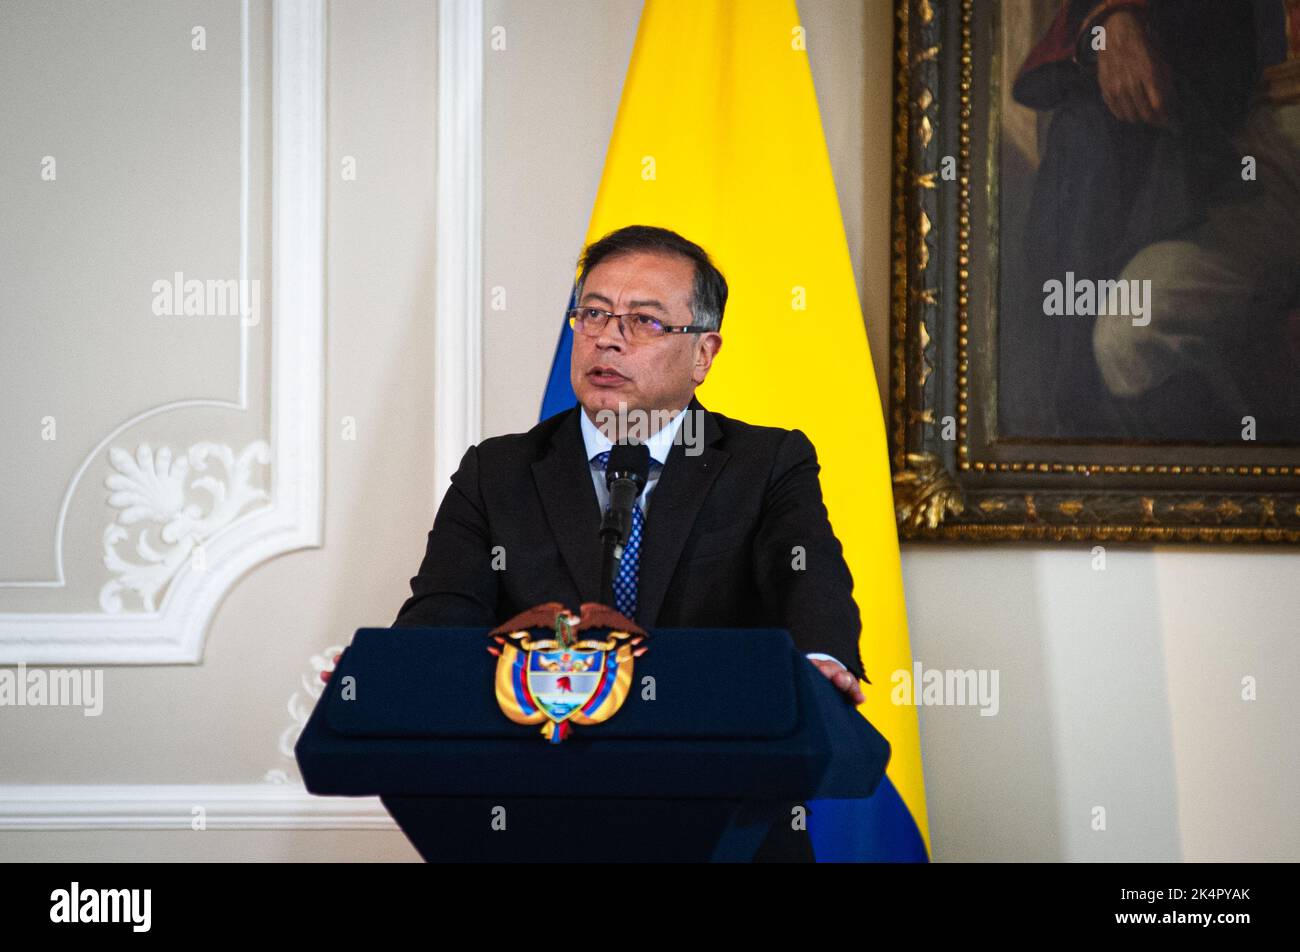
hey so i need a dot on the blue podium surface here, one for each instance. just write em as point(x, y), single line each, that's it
point(721, 731)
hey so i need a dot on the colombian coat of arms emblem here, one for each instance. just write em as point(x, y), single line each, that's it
point(557, 668)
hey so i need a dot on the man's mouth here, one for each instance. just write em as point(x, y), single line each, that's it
point(605, 376)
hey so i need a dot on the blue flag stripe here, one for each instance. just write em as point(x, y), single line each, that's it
point(879, 829)
point(559, 390)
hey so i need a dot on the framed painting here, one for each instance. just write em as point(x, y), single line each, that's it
point(1095, 320)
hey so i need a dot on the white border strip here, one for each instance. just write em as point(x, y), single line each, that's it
point(298, 256)
point(251, 806)
point(457, 381)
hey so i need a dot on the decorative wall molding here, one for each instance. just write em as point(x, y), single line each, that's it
point(157, 489)
point(251, 806)
point(303, 702)
point(174, 632)
point(457, 377)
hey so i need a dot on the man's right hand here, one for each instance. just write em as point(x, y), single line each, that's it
point(1134, 80)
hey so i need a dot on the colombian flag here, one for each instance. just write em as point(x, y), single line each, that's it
point(718, 137)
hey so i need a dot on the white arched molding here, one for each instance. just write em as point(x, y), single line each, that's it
point(457, 380)
point(174, 632)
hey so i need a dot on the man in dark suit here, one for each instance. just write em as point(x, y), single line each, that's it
point(730, 530)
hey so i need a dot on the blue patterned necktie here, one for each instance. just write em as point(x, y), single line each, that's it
point(625, 580)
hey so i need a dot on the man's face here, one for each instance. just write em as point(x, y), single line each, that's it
point(661, 374)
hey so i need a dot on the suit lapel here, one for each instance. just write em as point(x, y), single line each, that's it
point(674, 506)
point(563, 479)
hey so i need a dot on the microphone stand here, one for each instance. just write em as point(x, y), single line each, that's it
point(627, 470)
point(612, 535)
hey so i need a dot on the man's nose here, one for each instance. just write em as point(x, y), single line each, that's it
point(611, 335)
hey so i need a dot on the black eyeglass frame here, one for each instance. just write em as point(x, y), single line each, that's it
point(573, 318)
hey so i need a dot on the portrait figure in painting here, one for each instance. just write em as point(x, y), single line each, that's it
point(1149, 206)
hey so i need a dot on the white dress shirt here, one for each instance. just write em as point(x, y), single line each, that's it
point(659, 445)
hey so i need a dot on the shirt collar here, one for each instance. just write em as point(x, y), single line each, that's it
point(660, 444)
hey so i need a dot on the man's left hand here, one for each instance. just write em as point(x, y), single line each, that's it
point(842, 678)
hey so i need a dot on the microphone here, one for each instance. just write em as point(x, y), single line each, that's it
point(625, 475)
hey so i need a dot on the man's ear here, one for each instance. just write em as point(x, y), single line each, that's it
point(705, 351)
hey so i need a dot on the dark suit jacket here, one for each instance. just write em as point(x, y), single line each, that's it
point(717, 552)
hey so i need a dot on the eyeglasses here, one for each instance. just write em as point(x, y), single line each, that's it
point(591, 321)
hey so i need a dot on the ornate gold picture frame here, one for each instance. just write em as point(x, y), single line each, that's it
point(960, 473)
